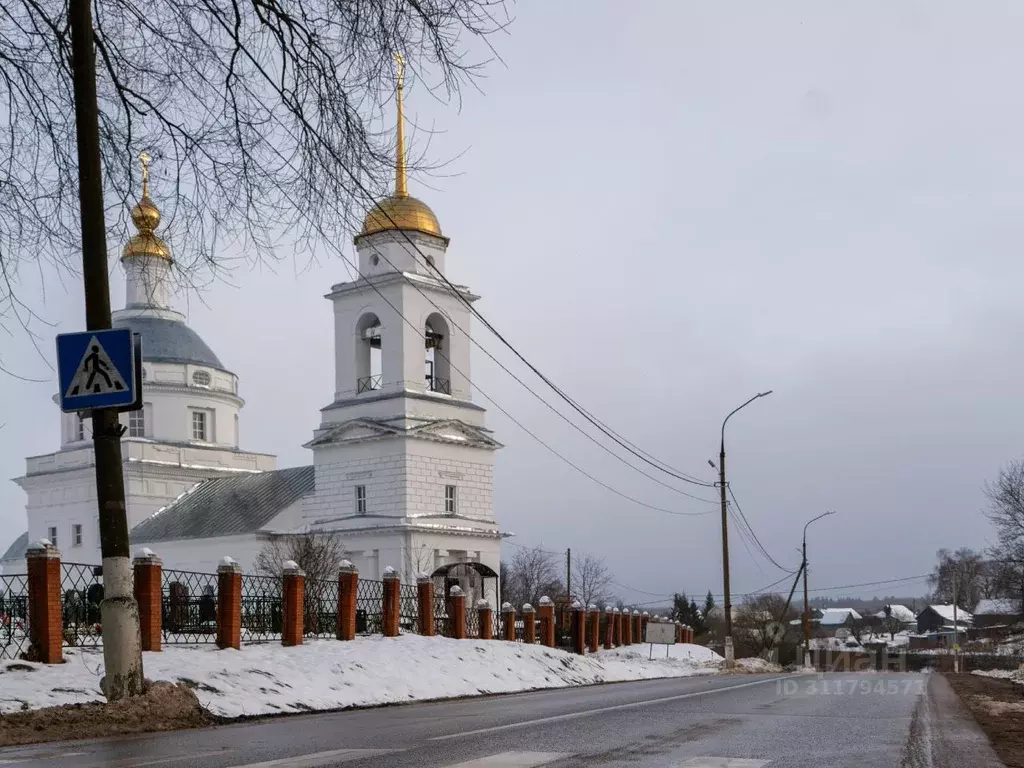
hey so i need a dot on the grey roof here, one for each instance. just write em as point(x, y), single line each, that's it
point(170, 341)
point(227, 506)
point(17, 549)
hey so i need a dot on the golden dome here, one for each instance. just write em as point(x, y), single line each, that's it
point(401, 212)
point(146, 217)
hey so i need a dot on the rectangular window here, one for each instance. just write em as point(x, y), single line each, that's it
point(76, 534)
point(137, 423)
point(51, 534)
point(449, 499)
point(360, 499)
point(199, 430)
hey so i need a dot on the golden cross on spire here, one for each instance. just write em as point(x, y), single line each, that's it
point(145, 158)
point(401, 187)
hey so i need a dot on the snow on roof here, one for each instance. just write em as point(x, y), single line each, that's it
point(834, 616)
point(898, 612)
point(1000, 606)
point(946, 612)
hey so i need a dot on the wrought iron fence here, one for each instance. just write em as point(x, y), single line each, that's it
point(320, 608)
point(262, 609)
point(369, 607)
point(435, 384)
point(442, 623)
point(81, 589)
point(13, 615)
point(189, 607)
point(408, 607)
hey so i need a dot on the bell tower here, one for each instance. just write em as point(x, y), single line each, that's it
point(402, 453)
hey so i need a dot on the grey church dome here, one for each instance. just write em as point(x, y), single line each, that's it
point(170, 341)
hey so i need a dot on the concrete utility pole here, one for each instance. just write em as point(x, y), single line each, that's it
point(807, 607)
point(723, 488)
point(122, 657)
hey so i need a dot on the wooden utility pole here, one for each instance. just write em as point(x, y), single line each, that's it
point(119, 612)
point(568, 574)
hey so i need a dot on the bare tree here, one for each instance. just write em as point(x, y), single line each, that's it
point(418, 560)
point(532, 574)
point(961, 572)
point(318, 553)
point(590, 579)
point(264, 118)
point(890, 623)
point(760, 623)
point(1006, 512)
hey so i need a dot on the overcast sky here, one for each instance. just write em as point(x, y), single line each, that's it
point(668, 209)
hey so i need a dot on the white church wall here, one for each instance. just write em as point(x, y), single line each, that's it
point(379, 466)
point(433, 466)
point(204, 555)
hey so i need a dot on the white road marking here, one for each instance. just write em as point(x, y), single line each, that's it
point(157, 761)
point(600, 710)
point(46, 756)
point(515, 760)
point(722, 762)
point(318, 759)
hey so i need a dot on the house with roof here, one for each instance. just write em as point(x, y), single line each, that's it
point(940, 619)
point(898, 613)
point(997, 612)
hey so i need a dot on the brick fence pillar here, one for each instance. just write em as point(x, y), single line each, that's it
point(391, 602)
point(348, 586)
point(579, 629)
point(508, 622)
point(637, 636)
point(294, 597)
point(457, 612)
point(627, 628)
point(149, 595)
point(617, 632)
point(529, 624)
point(44, 604)
point(425, 605)
point(546, 611)
point(229, 604)
point(485, 619)
point(644, 618)
point(594, 627)
point(609, 628)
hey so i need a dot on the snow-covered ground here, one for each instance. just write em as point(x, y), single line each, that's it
point(1013, 675)
point(327, 674)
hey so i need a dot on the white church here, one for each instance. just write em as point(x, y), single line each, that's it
point(402, 462)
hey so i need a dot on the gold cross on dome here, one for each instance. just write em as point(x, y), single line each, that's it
point(145, 158)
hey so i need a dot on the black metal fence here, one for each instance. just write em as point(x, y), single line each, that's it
point(262, 609)
point(408, 608)
point(370, 607)
point(189, 607)
point(81, 588)
point(320, 608)
point(13, 615)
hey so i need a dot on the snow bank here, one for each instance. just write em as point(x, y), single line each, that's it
point(686, 652)
point(1013, 675)
point(327, 674)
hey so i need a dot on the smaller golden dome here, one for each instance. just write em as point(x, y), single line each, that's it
point(146, 244)
point(401, 212)
point(146, 215)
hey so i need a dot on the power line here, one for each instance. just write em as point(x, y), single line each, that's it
point(296, 110)
point(757, 541)
point(508, 415)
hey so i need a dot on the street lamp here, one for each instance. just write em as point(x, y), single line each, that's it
point(807, 610)
point(729, 657)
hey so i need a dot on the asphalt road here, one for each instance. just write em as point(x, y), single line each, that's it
point(835, 720)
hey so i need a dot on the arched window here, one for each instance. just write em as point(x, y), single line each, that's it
point(368, 353)
point(438, 355)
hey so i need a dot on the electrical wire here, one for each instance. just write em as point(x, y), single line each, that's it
point(757, 541)
point(296, 110)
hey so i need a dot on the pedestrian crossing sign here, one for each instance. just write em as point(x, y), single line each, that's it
point(97, 369)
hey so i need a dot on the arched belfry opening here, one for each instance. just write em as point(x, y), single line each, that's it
point(437, 364)
point(368, 353)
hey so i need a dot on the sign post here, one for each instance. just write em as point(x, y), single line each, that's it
point(659, 633)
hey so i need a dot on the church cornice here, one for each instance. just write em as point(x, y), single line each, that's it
point(453, 530)
point(447, 431)
point(387, 278)
point(206, 392)
point(411, 394)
